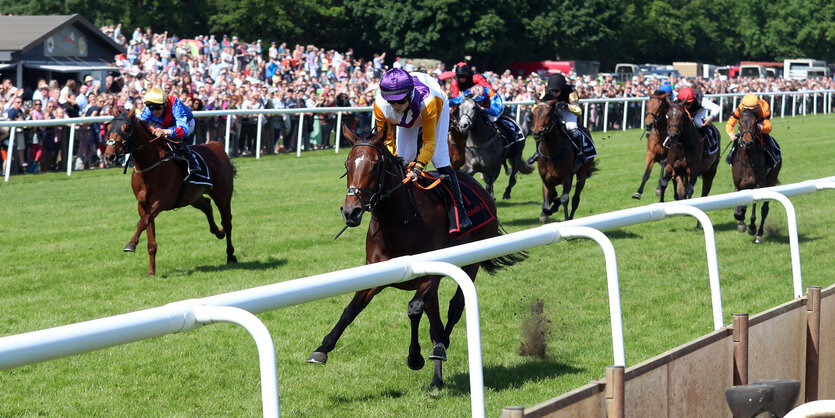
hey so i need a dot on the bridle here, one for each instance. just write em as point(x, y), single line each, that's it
point(656, 116)
point(127, 144)
point(677, 127)
point(752, 132)
point(551, 121)
point(374, 197)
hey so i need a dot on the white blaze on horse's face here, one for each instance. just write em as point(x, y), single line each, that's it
point(466, 114)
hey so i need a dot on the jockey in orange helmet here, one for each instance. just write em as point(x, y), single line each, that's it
point(751, 102)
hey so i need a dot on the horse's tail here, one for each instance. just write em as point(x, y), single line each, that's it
point(493, 265)
point(524, 167)
point(593, 169)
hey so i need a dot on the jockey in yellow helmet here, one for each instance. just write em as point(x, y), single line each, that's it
point(751, 102)
point(168, 116)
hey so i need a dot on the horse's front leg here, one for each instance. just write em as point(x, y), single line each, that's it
point(649, 161)
point(151, 234)
point(140, 226)
point(664, 180)
point(752, 227)
point(564, 197)
point(357, 304)
point(739, 215)
point(549, 194)
point(763, 213)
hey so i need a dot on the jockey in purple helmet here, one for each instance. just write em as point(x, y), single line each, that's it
point(411, 102)
point(168, 116)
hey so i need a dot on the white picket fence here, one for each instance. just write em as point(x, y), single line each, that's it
point(799, 106)
point(239, 307)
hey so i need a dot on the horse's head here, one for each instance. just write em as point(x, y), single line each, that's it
point(749, 130)
point(468, 111)
point(123, 137)
point(544, 118)
point(656, 109)
point(367, 167)
point(677, 120)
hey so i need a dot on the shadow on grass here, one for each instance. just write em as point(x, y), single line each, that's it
point(508, 378)
point(510, 203)
point(270, 263)
point(531, 222)
point(619, 233)
point(366, 397)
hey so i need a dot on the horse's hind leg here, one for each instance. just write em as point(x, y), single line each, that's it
point(647, 172)
point(578, 188)
point(511, 182)
point(658, 190)
point(205, 206)
point(151, 234)
point(225, 209)
point(358, 303)
point(763, 214)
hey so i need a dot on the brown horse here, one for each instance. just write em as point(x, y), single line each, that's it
point(749, 171)
point(556, 162)
point(406, 220)
point(157, 181)
point(656, 123)
point(456, 140)
point(686, 159)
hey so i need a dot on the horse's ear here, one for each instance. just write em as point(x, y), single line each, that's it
point(349, 134)
point(381, 134)
point(132, 112)
point(667, 98)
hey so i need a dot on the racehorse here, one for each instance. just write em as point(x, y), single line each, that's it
point(686, 159)
point(156, 181)
point(456, 141)
point(556, 161)
point(749, 171)
point(484, 148)
point(406, 220)
point(656, 122)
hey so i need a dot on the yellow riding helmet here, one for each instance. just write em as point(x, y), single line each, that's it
point(750, 101)
point(154, 95)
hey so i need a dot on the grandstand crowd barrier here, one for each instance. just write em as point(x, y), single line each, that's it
point(798, 102)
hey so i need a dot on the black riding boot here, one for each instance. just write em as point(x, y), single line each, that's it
point(448, 175)
point(183, 151)
point(730, 158)
point(577, 139)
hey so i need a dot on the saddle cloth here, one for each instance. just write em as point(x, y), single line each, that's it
point(203, 177)
point(476, 207)
point(588, 144)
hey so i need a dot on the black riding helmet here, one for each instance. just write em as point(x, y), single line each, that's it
point(463, 70)
point(556, 82)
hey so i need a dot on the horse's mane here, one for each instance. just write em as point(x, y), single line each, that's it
point(658, 94)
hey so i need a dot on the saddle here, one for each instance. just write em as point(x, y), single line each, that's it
point(202, 177)
point(476, 207)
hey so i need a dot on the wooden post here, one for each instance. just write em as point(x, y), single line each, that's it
point(813, 333)
point(513, 412)
point(740, 336)
point(614, 392)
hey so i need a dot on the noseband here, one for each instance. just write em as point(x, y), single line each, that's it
point(380, 194)
point(127, 144)
point(551, 122)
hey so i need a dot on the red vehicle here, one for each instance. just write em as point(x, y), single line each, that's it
point(546, 68)
point(728, 71)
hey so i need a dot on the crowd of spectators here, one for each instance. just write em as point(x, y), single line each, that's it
point(209, 73)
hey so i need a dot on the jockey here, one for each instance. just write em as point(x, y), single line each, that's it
point(168, 116)
point(493, 105)
point(751, 102)
point(411, 102)
point(666, 88)
point(703, 110)
point(465, 78)
point(569, 110)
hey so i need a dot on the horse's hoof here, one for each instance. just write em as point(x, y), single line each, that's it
point(415, 362)
point(436, 384)
point(221, 234)
point(637, 195)
point(758, 240)
point(129, 248)
point(438, 352)
point(658, 192)
point(506, 196)
point(543, 219)
point(231, 259)
point(752, 230)
point(318, 357)
point(741, 228)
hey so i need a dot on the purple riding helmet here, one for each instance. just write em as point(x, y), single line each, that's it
point(396, 84)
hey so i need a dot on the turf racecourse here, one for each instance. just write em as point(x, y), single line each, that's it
point(61, 242)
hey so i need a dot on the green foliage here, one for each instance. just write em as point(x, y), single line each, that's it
point(61, 240)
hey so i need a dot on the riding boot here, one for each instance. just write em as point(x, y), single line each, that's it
point(183, 151)
point(730, 158)
point(448, 175)
point(533, 158)
point(577, 139)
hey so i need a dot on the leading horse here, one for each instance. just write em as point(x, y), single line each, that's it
point(656, 123)
point(556, 162)
point(686, 159)
point(406, 220)
point(749, 171)
point(157, 182)
point(483, 146)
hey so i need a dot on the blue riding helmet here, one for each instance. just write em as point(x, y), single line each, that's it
point(666, 88)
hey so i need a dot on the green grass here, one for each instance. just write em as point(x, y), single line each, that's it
point(61, 242)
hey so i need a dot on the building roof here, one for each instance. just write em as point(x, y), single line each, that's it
point(22, 33)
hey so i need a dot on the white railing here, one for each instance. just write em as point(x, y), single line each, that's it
point(797, 107)
point(239, 307)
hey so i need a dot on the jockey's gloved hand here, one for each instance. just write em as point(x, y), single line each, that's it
point(415, 170)
point(562, 105)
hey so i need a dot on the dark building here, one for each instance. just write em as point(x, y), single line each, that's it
point(54, 47)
